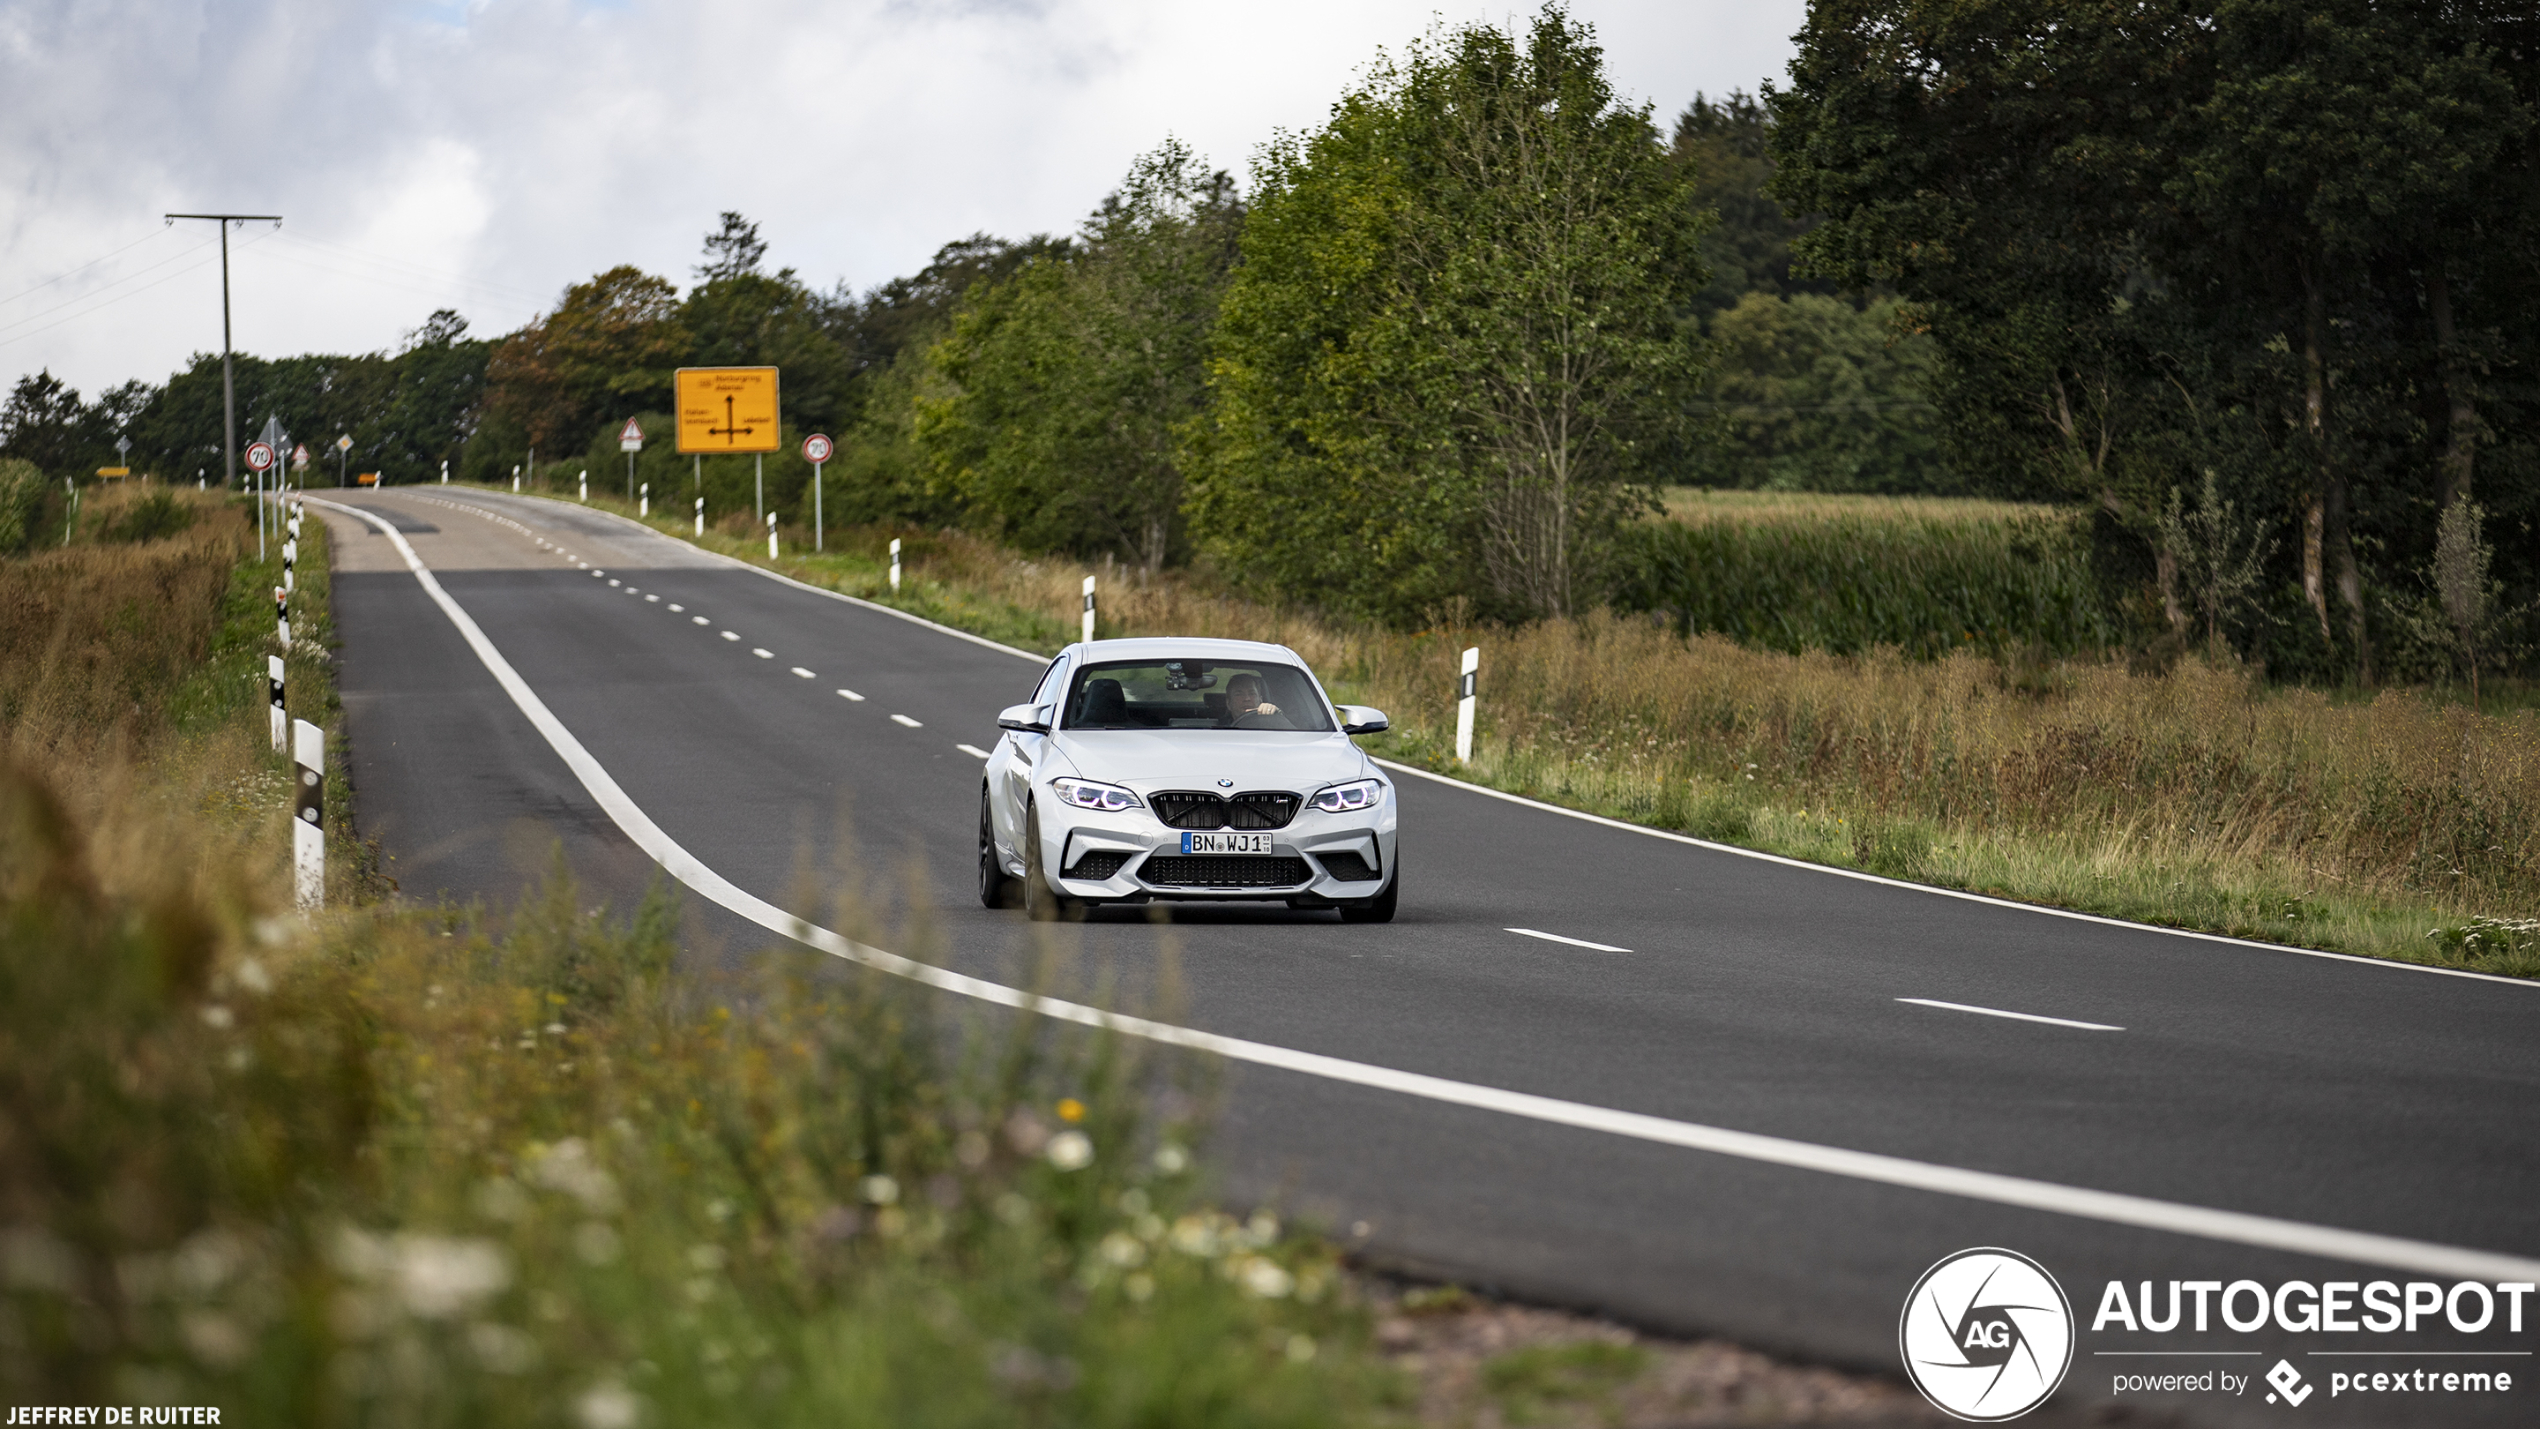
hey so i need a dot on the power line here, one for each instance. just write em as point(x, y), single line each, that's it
point(117, 298)
point(414, 269)
point(119, 282)
point(91, 263)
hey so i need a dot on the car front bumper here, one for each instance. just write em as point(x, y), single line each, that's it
point(1317, 858)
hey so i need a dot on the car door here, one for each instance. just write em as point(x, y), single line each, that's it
point(1024, 751)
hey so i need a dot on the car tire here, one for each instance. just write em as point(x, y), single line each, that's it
point(1378, 909)
point(996, 886)
point(1041, 902)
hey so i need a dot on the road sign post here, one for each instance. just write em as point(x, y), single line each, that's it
point(816, 450)
point(343, 454)
point(630, 440)
point(259, 457)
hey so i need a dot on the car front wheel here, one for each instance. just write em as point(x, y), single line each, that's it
point(1041, 902)
point(1378, 909)
point(996, 886)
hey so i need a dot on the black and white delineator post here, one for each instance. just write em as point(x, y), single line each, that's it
point(701, 515)
point(308, 814)
point(1464, 690)
point(273, 693)
point(586, 488)
point(895, 565)
point(1089, 609)
point(644, 503)
point(771, 535)
point(445, 473)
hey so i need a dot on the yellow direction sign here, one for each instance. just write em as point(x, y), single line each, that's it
point(727, 409)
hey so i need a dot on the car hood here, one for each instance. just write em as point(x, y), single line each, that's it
point(1148, 760)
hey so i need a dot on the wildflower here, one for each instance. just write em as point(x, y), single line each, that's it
point(881, 1190)
point(1264, 1277)
point(569, 1167)
point(1071, 1151)
point(1171, 1159)
point(608, 1405)
point(1123, 1250)
point(1070, 1110)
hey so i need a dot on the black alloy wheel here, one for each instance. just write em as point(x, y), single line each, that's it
point(996, 886)
point(1378, 909)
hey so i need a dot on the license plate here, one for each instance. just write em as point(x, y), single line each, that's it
point(1225, 843)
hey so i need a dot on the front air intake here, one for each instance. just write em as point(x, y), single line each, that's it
point(1253, 810)
point(1223, 871)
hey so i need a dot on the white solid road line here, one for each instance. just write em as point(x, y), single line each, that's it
point(1573, 942)
point(2017, 1016)
point(973, 751)
point(852, 695)
point(2116, 1208)
point(806, 674)
point(904, 719)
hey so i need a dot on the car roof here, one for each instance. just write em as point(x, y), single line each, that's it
point(1147, 649)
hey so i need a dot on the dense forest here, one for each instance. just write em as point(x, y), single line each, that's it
point(2251, 282)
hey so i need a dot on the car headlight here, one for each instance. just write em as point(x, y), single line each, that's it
point(1351, 797)
point(1085, 794)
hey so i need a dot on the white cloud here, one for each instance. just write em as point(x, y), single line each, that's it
point(483, 155)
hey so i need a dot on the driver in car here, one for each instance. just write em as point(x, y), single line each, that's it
point(1243, 699)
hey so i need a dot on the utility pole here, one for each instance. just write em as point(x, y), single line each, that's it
point(228, 384)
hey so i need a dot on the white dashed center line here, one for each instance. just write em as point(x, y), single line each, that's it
point(656, 599)
point(728, 635)
point(2017, 1016)
point(1573, 942)
point(701, 620)
point(972, 750)
point(763, 654)
point(682, 609)
point(806, 674)
point(852, 695)
point(904, 719)
point(611, 582)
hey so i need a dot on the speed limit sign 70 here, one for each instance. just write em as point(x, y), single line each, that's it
point(260, 456)
point(816, 448)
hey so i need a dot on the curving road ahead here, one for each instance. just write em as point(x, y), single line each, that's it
point(1702, 1090)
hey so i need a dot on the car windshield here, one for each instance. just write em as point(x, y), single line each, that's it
point(1194, 694)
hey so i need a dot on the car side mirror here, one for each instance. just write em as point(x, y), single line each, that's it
point(1363, 719)
point(1027, 719)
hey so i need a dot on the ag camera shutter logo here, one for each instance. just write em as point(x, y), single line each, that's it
point(1986, 1335)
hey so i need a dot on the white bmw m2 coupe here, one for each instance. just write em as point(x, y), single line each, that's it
point(1142, 770)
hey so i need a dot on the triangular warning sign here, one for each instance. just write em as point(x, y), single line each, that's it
point(631, 432)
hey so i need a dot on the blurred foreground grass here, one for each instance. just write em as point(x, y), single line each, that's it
point(443, 1167)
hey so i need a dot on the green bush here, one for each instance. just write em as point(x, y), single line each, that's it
point(1847, 584)
point(22, 489)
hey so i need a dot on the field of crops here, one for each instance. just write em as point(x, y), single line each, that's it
point(1843, 574)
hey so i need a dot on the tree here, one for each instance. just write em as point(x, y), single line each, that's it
point(41, 423)
point(1451, 353)
point(605, 353)
point(1728, 146)
point(1818, 395)
point(1065, 387)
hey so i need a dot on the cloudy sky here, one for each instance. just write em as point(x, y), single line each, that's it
point(482, 155)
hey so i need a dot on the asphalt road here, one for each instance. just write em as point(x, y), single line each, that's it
point(1754, 996)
